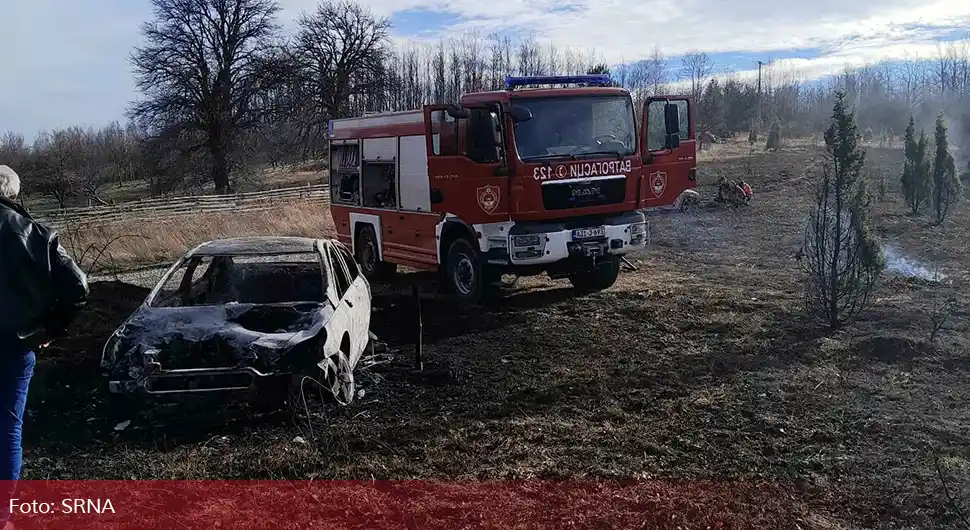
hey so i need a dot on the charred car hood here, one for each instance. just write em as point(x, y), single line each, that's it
point(230, 334)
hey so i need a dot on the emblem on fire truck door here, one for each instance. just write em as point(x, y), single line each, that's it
point(658, 182)
point(488, 198)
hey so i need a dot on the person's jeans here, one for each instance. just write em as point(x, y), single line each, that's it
point(16, 370)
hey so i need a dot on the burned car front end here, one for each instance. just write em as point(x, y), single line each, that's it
point(221, 320)
point(221, 348)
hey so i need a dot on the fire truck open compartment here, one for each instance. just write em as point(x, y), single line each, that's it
point(389, 173)
point(345, 172)
point(378, 184)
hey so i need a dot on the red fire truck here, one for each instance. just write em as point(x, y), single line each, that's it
point(549, 176)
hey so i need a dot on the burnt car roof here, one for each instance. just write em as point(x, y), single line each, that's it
point(256, 245)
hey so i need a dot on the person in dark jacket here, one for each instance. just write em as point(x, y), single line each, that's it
point(41, 291)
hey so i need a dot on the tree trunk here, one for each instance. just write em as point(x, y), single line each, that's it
point(220, 163)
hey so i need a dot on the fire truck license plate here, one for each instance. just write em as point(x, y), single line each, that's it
point(587, 233)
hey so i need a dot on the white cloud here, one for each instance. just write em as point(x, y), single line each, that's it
point(810, 69)
point(626, 30)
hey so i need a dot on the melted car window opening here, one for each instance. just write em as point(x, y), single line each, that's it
point(220, 280)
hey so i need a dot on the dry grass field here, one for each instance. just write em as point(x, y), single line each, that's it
point(698, 373)
point(139, 242)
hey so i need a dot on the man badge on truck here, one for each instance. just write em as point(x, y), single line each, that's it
point(658, 181)
point(488, 198)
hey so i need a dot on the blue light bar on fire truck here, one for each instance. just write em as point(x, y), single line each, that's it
point(511, 82)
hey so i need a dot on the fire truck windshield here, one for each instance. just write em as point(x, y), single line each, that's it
point(576, 127)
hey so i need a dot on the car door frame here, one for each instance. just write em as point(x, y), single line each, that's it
point(342, 318)
point(358, 301)
point(338, 319)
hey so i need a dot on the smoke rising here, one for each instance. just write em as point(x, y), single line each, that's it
point(900, 265)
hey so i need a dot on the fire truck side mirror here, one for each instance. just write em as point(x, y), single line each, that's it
point(672, 118)
point(672, 125)
point(520, 114)
point(457, 112)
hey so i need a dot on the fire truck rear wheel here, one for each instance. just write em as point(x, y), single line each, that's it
point(597, 278)
point(467, 278)
point(367, 254)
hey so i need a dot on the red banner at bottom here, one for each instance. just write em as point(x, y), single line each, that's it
point(148, 505)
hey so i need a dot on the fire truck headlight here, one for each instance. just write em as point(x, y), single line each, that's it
point(526, 241)
point(638, 233)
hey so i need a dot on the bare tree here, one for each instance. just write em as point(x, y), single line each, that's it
point(340, 52)
point(204, 63)
point(13, 149)
point(455, 68)
point(53, 170)
point(657, 73)
point(530, 57)
point(697, 66)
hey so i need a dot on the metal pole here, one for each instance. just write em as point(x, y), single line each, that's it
point(419, 338)
point(760, 64)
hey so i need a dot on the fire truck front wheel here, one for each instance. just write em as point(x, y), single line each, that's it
point(367, 256)
point(466, 276)
point(600, 276)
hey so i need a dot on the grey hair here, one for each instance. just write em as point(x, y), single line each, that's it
point(9, 183)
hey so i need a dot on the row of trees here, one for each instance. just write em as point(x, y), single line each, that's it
point(930, 172)
point(224, 91)
point(76, 164)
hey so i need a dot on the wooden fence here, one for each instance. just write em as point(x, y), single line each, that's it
point(167, 208)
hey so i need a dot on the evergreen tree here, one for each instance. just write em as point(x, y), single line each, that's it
point(916, 171)
point(602, 68)
point(947, 189)
point(710, 109)
point(844, 259)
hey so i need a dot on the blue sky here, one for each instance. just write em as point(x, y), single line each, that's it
point(65, 62)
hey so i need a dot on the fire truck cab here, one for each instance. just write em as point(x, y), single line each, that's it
point(527, 180)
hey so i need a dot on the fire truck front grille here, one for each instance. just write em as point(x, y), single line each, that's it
point(582, 194)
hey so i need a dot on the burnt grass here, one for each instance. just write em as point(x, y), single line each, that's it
point(699, 366)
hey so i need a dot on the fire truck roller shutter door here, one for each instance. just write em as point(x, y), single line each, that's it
point(380, 149)
point(413, 181)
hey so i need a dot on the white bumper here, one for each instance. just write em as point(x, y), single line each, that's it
point(536, 245)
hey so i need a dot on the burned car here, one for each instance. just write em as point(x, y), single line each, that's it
point(252, 315)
